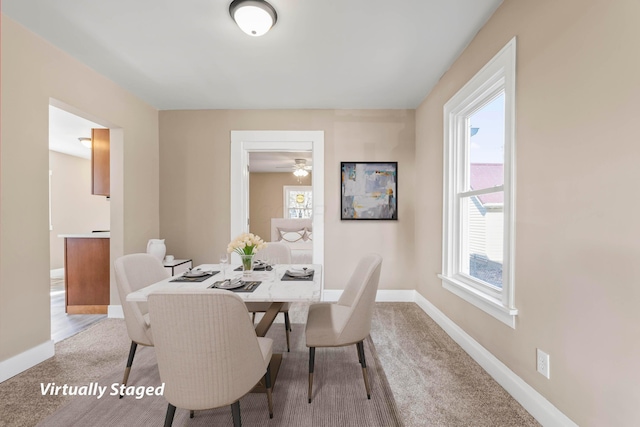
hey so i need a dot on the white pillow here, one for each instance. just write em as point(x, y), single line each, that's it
point(291, 234)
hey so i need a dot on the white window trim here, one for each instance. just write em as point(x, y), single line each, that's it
point(497, 75)
point(285, 201)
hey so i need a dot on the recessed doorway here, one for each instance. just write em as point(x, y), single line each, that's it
point(244, 143)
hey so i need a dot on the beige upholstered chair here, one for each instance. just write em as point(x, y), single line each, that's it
point(207, 349)
point(282, 253)
point(349, 320)
point(275, 251)
point(133, 272)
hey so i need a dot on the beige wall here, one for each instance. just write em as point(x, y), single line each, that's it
point(73, 208)
point(266, 199)
point(33, 72)
point(194, 164)
point(577, 235)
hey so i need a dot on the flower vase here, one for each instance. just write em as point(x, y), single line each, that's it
point(247, 265)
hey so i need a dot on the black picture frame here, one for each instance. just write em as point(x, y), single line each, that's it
point(368, 191)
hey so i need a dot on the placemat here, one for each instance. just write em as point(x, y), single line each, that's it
point(247, 286)
point(267, 268)
point(308, 278)
point(194, 279)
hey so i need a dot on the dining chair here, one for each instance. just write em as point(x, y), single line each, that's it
point(133, 272)
point(347, 321)
point(282, 254)
point(207, 350)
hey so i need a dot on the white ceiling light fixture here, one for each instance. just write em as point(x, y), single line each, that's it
point(300, 173)
point(85, 141)
point(254, 17)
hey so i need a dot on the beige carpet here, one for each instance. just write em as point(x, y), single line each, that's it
point(82, 358)
point(434, 382)
point(339, 394)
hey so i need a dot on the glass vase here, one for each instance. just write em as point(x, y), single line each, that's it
point(247, 265)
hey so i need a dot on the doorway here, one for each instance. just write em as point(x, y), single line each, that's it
point(245, 142)
point(73, 209)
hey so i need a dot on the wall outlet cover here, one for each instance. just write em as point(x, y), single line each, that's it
point(542, 362)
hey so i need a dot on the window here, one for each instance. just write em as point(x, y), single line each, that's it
point(479, 184)
point(298, 202)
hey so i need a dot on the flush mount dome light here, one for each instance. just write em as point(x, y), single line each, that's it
point(254, 17)
point(85, 141)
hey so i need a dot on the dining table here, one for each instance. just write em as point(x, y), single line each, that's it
point(277, 285)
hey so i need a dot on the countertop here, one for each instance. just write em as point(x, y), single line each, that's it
point(101, 235)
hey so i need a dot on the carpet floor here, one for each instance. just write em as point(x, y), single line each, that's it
point(339, 394)
point(434, 382)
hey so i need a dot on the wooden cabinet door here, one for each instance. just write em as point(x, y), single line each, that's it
point(86, 268)
point(100, 163)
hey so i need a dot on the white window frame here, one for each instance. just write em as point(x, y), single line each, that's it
point(497, 76)
point(286, 189)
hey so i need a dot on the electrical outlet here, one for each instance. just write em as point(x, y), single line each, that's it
point(542, 362)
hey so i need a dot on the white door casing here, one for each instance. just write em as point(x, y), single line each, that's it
point(245, 142)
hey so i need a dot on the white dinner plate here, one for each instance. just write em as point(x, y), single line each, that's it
point(195, 273)
point(231, 285)
point(298, 272)
point(260, 265)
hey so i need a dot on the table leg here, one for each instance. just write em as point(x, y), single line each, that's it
point(267, 320)
point(274, 365)
point(261, 330)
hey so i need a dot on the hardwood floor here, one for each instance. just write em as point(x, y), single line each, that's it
point(64, 325)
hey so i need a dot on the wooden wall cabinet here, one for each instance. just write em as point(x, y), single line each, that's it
point(86, 268)
point(100, 162)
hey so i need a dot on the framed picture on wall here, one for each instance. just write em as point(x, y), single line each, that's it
point(369, 190)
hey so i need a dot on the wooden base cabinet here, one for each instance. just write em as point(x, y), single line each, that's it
point(86, 267)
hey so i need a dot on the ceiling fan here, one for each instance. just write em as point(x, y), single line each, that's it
point(300, 168)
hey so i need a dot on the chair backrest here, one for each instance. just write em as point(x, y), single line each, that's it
point(133, 272)
point(360, 296)
point(207, 350)
point(275, 251)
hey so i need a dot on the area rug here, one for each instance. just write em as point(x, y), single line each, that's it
point(339, 397)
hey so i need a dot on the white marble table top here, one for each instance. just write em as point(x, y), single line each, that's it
point(272, 288)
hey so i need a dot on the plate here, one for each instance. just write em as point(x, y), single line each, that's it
point(195, 273)
point(232, 285)
point(298, 272)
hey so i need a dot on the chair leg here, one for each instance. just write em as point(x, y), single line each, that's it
point(253, 318)
point(267, 383)
point(363, 362)
point(192, 413)
point(168, 419)
point(287, 328)
point(287, 321)
point(235, 412)
point(312, 356)
point(132, 352)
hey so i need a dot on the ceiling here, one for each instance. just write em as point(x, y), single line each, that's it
point(267, 161)
point(65, 129)
point(189, 54)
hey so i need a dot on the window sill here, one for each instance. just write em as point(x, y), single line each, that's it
point(486, 303)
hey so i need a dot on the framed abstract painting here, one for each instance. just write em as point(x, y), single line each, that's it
point(369, 191)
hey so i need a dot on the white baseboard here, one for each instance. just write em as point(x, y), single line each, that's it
point(384, 295)
point(57, 273)
point(395, 296)
point(115, 312)
point(25, 360)
point(536, 404)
